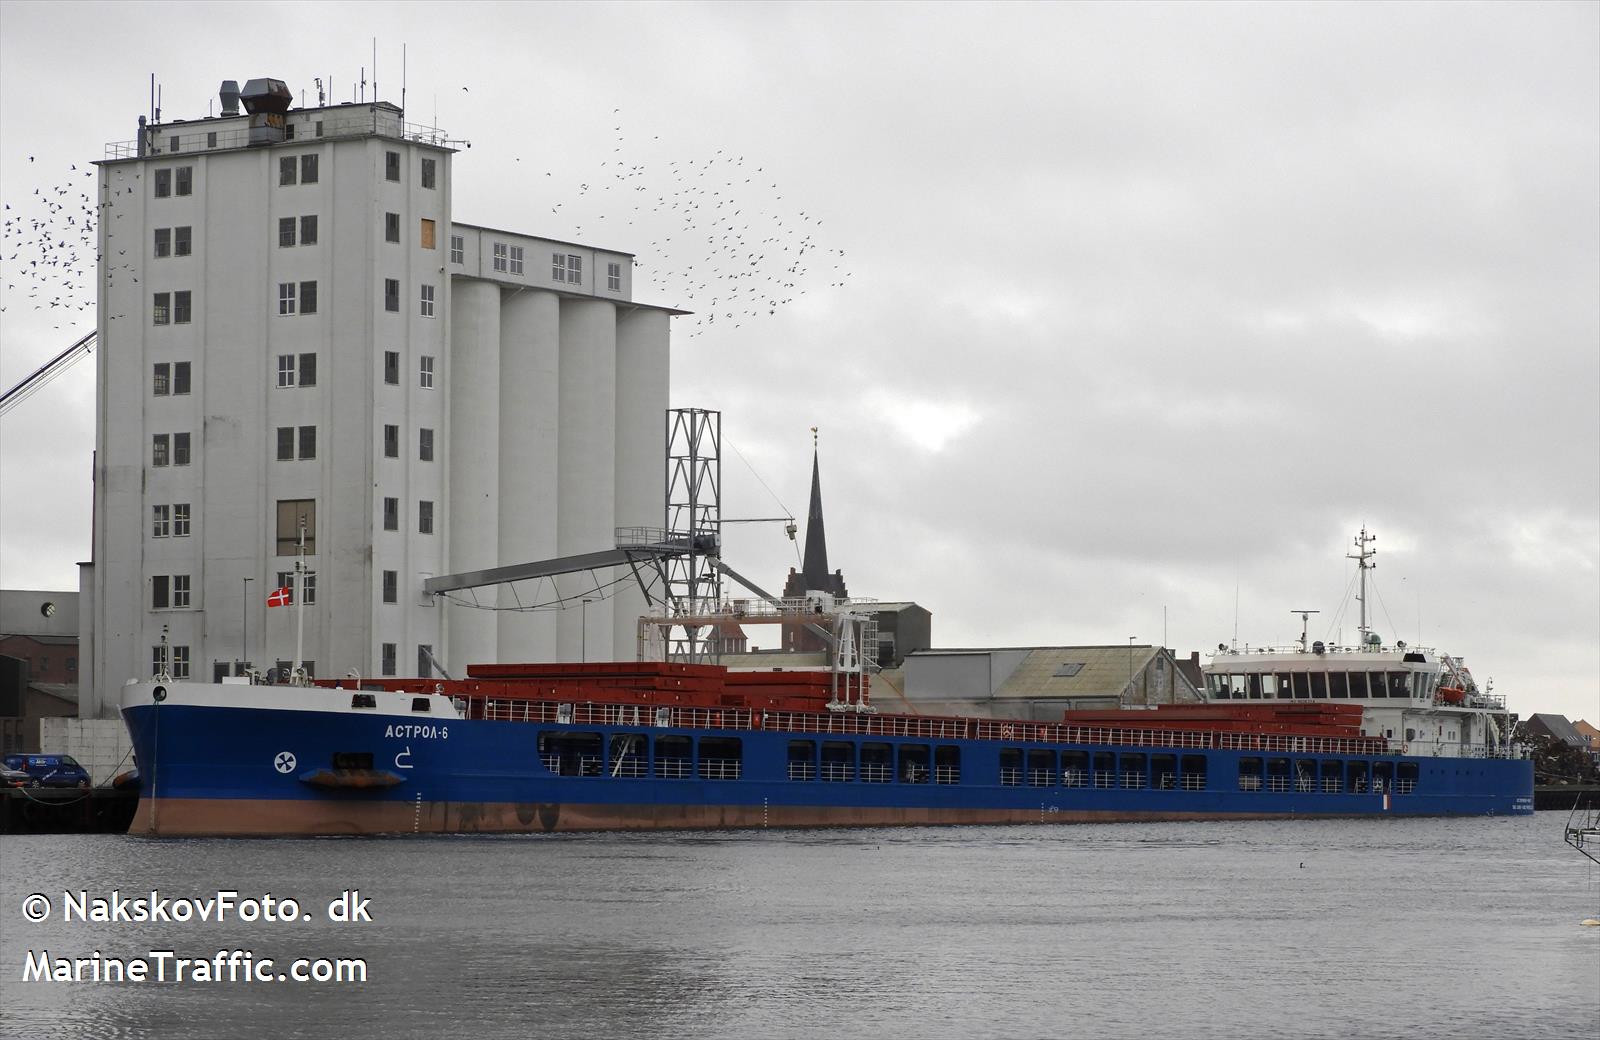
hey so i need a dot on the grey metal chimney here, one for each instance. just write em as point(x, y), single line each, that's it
point(230, 97)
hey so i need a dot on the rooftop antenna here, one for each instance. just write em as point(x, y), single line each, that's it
point(402, 81)
point(363, 97)
point(1305, 622)
point(1363, 554)
point(321, 97)
point(1235, 644)
point(374, 69)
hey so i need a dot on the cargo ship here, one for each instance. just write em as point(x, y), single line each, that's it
point(1318, 731)
point(655, 745)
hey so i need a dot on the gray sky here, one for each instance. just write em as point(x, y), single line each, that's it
point(1144, 311)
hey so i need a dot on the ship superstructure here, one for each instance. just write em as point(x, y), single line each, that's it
point(1420, 698)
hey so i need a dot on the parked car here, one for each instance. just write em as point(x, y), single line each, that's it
point(14, 777)
point(49, 770)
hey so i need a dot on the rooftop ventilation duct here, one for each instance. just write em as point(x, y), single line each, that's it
point(230, 97)
point(266, 95)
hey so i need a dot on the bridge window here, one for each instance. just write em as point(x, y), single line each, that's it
point(1319, 685)
point(802, 760)
point(877, 763)
point(838, 761)
point(947, 764)
point(1339, 685)
point(913, 765)
point(1399, 683)
point(721, 758)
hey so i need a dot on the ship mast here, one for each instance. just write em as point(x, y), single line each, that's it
point(1362, 556)
point(1305, 623)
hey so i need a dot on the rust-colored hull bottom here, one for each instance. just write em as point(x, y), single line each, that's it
point(194, 817)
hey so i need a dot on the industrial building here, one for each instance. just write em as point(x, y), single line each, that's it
point(1039, 683)
point(38, 663)
point(297, 336)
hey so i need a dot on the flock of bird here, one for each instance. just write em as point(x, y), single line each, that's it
point(48, 252)
point(723, 243)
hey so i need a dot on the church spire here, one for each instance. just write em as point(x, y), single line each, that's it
point(815, 566)
point(814, 575)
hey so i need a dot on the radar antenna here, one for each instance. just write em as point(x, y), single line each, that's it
point(1305, 622)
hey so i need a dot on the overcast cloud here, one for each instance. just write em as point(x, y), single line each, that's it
point(1143, 307)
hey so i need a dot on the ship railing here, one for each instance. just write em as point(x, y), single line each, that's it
point(674, 768)
point(1249, 783)
point(1010, 776)
point(1278, 784)
point(932, 728)
point(1074, 778)
point(836, 773)
point(876, 773)
point(947, 774)
point(633, 768)
point(1133, 781)
point(1192, 782)
point(720, 768)
point(1041, 777)
point(802, 771)
point(1332, 785)
point(1105, 781)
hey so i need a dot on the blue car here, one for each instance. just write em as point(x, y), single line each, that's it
point(48, 770)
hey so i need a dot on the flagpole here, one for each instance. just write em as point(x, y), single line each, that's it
point(299, 602)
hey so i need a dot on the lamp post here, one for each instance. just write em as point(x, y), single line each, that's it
point(244, 627)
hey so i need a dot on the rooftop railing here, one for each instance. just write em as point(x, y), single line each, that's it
point(174, 139)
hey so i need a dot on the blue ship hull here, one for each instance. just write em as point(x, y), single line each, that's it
point(221, 769)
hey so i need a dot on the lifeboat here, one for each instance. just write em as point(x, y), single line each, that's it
point(1452, 695)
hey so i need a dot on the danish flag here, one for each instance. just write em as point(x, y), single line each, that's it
point(280, 597)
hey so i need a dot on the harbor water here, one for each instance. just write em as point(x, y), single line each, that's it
point(1358, 928)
